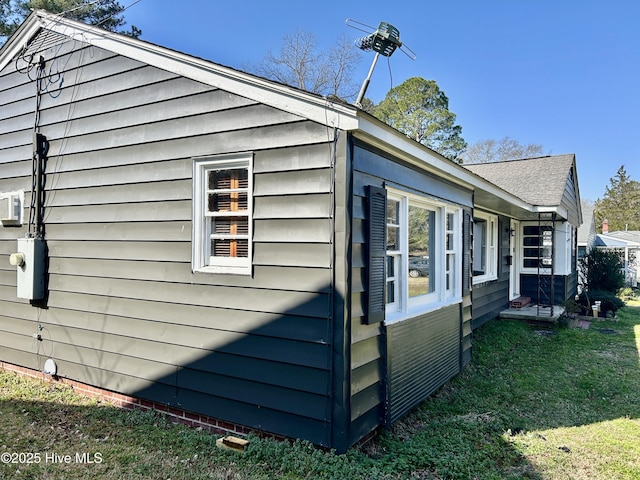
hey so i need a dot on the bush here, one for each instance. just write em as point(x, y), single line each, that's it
point(601, 270)
point(608, 302)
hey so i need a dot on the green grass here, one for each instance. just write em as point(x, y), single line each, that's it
point(563, 404)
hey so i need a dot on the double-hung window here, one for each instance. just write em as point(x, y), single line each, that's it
point(222, 217)
point(485, 240)
point(424, 242)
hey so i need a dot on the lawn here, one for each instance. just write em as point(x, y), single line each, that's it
point(560, 403)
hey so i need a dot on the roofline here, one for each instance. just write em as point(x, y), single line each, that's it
point(386, 138)
point(314, 107)
point(628, 243)
point(18, 41)
point(577, 182)
point(284, 97)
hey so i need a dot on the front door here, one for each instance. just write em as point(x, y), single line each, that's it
point(514, 251)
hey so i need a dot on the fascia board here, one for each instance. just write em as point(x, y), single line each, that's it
point(18, 41)
point(394, 142)
point(279, 96)
point(562, 212)
point(627, 243)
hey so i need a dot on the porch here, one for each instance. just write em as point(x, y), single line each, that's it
point(533, 313)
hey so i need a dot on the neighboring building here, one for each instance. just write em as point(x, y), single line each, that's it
point(628, 244)
point(587, 232)
point(221, 244)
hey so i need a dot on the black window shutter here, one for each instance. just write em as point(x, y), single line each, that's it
point(377, 252)
point(466, 252)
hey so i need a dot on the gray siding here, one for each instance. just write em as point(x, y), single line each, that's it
point(125, 312)
point(564, 287)
point(490, 298)
point(570, 198)
point(370, 391)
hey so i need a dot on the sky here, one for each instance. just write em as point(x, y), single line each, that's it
point(564, 74)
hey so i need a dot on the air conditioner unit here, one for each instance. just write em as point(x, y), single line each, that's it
point(10, 207)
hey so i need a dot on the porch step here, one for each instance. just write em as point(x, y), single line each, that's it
point(520, 302)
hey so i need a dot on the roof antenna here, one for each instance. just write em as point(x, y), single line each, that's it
point(384, 40)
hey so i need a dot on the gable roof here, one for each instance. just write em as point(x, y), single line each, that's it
point(539, 181)
point(587, 231)
point(335, 115)
point(549, 182)
point(628, 238)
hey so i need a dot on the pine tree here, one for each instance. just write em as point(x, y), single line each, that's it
point(620, 205)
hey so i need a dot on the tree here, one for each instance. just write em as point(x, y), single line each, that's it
point(104, 13)
point(490, 150)
point(420, 110)
point(620, 205)
point(300, 64)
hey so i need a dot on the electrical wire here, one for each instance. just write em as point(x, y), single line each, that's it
point(118, 13)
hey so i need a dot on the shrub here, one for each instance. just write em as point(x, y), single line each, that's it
point(602, 271)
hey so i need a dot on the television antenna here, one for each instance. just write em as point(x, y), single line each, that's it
point(384, 41)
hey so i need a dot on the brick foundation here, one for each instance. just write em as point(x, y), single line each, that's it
point(175, 415)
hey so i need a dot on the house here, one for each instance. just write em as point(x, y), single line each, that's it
point(628, 244)
point(587, 232)
point(235, 250)
point(536, 247)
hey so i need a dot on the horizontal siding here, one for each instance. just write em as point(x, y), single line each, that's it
point(124, 310)
point(564, 287)
point(436, 349)
point(489, 299)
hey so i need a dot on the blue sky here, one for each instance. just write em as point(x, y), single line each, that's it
point(561, 73)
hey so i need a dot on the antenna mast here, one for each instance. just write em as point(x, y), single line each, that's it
point(384, 40)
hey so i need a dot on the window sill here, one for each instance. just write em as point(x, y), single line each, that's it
point(227, 270)
point(397, 317)
point(484, 279)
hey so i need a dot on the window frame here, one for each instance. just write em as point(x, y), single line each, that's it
point(491, 240)
point(404, 305)
point(202, 259)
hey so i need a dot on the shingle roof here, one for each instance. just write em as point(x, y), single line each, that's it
point(624, 236)
point(538, 181)
point(587, 230)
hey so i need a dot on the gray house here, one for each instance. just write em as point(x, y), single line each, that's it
point(229, 247)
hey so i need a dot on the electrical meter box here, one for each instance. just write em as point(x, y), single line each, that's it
point(30, 261)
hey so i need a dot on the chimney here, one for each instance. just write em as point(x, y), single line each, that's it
point(605, 226)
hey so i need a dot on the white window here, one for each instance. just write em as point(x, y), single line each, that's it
point(222, 220)
point(485, 240)
point(544, 246)
point(424, 245)
point(537, 247)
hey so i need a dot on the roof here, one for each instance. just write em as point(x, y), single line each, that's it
point(629, 238)
point(539, 181)
point(335, 115)
point(587, 231)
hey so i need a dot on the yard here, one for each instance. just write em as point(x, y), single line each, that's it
point(534, 403)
